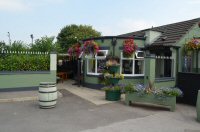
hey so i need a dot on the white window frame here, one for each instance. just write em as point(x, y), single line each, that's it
point(133, 65)
point(88, 57)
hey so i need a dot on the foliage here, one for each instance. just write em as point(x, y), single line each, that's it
point(45, 44)
point(24, 62)
point(112, 61)
point(193, 44)
point(75, 50)
point(90, 47)
point(18, 46)
point(118, 76)
point(71, 34)
point(129, 47)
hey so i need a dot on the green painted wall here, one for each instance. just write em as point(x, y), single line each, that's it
point(25, 80)
point(164, 84)
point(194, 32)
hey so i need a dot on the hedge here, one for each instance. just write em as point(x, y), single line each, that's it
point(24, 62)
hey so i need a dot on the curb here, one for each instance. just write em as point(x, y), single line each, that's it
point(24, 99)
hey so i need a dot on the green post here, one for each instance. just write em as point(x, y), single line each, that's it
point(150, 68)
point(198, 107)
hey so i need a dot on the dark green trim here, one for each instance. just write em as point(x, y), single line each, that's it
point(33, 88)
point(111, 37)
point(165, 79)
point(134, 77)
point(93, 86)
point(23, 72)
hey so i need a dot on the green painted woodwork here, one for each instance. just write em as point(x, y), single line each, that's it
point(164, 84)
point(198, 106)
point(167, 101)
point(25, 80)
point(149, 69)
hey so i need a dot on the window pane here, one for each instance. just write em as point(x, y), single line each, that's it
point(127, 66)
point(91, 65)
point(164, 68)
point(139, 66)
point(101, 63)
point(139, 54)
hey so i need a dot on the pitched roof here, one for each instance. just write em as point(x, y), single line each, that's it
point(171, 33)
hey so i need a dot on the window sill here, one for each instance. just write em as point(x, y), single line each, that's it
point(165, 79)
point(93, 74)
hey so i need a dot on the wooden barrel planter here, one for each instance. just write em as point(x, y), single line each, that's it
point(198, 106)
point(47, 95)
point(114, 95)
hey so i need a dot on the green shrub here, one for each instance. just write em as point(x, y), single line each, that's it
point(27, 62)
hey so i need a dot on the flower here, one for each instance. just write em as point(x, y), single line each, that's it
point(90, 47)
point(129, 47)
point(108, 75)
point(75, 50)
point(193, 44)
point(163, 91)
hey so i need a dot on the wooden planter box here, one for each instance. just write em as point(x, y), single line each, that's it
point(168, 101)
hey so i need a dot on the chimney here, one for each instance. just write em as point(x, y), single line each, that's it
point(151, 36)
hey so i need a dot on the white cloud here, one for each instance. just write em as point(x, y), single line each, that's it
point(13, 5)
point(125, 26)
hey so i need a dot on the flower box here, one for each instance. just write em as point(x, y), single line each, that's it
point(113, 95)
point(198, 107)
point(166, 101)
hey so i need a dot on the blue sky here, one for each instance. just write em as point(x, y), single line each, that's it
point(111, 17)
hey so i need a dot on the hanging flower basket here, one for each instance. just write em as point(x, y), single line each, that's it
point(193, 44)
point(129, 47)
point(90, 47)
point(75, 50)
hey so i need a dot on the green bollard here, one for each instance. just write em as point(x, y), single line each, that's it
point(198, 106)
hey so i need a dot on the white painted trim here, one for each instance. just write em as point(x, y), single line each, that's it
point(133, 66)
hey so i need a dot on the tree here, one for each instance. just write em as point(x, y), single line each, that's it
point(45, 44)
point(2, 45)
point(71, 34)
point(18, 46)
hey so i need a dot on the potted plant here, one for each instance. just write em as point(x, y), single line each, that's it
point(112, 93)
point(129, 47)
point(111, 79)
point(112, 63)
point(160, 96)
